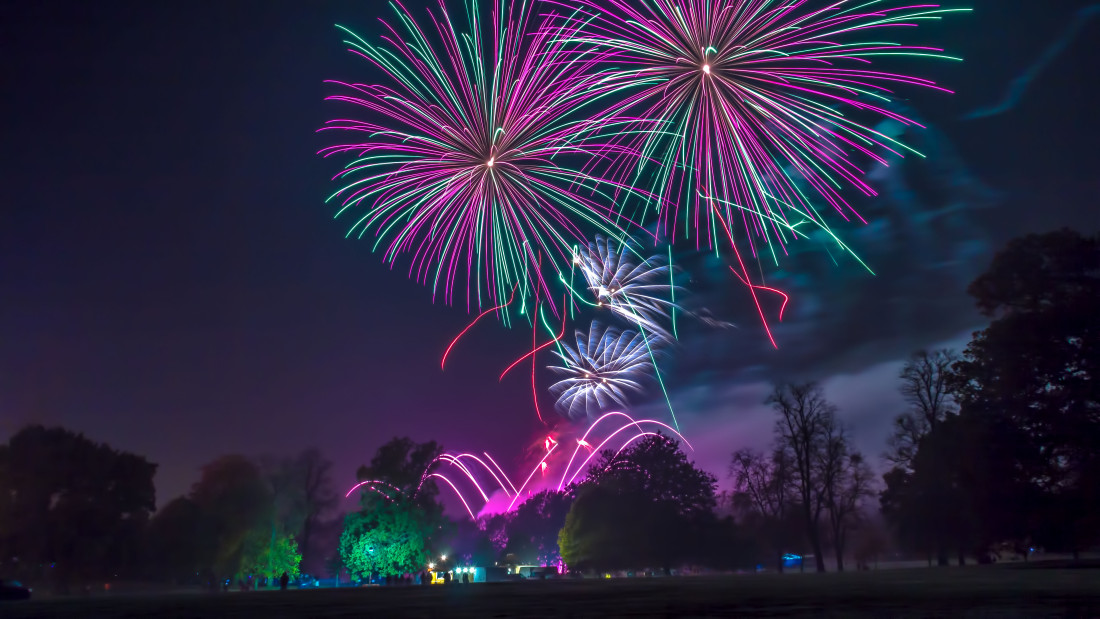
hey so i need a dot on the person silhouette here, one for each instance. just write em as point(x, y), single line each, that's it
point(283, 580)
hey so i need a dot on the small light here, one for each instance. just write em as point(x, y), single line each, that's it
point(492, 159)
point(443, 557)
point(706, 69)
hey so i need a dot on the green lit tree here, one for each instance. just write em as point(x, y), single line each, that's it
point(400, 518)
point(271, 559)
point(386, 542)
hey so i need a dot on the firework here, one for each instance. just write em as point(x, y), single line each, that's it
point(496, 484)
point(750, 97)
point(634, 289)
point(468, 162)
point(604, 367)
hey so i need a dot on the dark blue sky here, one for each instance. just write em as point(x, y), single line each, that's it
point(172, 283)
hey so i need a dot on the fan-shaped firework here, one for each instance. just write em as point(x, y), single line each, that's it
point(465, 165)
point(604, 367)
point(748, 96)
point(641, 291)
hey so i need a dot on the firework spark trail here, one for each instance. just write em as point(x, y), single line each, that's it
point(745, 103)
point(538, 467)
point(583, 466)
point(372, 487)
point(535, 350)
point(462, 467)
point(634, 438)
point(470, 171)
point(514, 490)
point(786, 297)
point(472, 323)
point(604, 366)
point(490, 469)
point(504, 482)
point(632, 422)
point(460, 497)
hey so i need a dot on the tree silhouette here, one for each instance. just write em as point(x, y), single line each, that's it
point(764, 492)
point(1036, 368)
point(643, 507)
point(926, 387)
point(805, 430)
point(71, 502)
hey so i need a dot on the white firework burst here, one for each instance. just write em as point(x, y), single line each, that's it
point(606, 365)
point(640, 292)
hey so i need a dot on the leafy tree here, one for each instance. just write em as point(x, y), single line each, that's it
point(533, 531)
point(656, 468)
point(271, 560)
point(641, 507)
point(68, 501)
point(470, 542)
point(173, 541)
point(301, 489)
point(1036, 368)
point(234, 501)
point(605, 530)
point(965, 491)
point(926, 386)
point(387, 542)
point(394, 531)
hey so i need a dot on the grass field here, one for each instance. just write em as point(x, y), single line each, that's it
point(942, 592)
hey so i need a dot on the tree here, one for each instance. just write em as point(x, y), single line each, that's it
point(234, 500)
point(1036, 368)
point(604, 530)
point(393, 531)
point(301, 489)
point(387, 542)
point(926, 386)
point(763, 486)
point(533, 530)
point(806, 423)
point(844, 497)
point(268, 559)
point(318, 498)
point(965, 491)
point(471, 542)
point(173, 542)
point(68, 501)
point(644, 506)
point(656, 468)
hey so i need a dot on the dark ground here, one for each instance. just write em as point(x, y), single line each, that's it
point(941, 592)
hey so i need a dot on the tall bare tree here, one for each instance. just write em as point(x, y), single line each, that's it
point(926, 386)
point(763, 487)
point(302, 489)
point(852, 482)
point(807, 421)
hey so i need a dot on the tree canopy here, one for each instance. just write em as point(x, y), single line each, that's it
point(71, 506)
point(1020, 460)
point(642, 507)
point(399, 517)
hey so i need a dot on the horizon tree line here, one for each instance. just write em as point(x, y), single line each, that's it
point(999, 447)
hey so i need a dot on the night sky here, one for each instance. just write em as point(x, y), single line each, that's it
point(172, 283)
